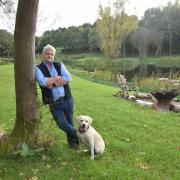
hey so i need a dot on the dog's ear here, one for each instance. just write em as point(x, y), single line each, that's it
point(90, 119)
point(77, 118)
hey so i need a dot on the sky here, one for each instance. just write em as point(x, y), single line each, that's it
point(77, 12)
point(65, 13)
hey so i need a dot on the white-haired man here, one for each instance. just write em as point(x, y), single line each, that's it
point(53, 79)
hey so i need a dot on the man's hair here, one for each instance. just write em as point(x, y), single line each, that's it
point(49, 47)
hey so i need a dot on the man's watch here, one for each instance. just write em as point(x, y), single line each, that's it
point(54, 85)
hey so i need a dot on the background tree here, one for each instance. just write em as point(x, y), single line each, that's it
point(114, 27)
point(150, 35)
point(152, 21)
point(163, 23)
point(6, 43)
point(93, 40)
point(141, 40)
point(70, 40)
point(7, 13)
point(170, 22)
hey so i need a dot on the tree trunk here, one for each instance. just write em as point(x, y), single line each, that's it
point(27, 115)
point(124, 48)
point(170, 43)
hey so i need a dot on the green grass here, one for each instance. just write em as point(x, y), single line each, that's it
point(140, 143)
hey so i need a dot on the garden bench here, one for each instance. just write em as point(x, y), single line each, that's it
point(126, 87)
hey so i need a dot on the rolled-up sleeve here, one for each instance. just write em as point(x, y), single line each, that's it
point(42, 81)
point(65, 74)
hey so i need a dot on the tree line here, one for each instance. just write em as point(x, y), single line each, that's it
point(114, 33)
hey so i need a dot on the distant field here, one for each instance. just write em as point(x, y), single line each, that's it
point(140, 143)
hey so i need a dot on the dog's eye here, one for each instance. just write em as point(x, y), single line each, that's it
point(81, 120)
point(86, 121)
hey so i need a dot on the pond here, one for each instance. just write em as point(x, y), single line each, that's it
point(106, 69)
point(148, 70)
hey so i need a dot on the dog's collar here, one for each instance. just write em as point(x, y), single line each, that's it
point(83, 131)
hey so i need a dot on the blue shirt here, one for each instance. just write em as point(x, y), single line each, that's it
point(42, 81)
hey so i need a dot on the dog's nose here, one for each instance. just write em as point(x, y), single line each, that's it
point(83, 125)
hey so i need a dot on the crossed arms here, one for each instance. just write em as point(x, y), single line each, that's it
point(55, 82)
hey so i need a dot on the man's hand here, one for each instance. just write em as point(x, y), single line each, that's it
point(60, 82)
point(55, 82)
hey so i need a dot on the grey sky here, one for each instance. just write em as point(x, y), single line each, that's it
point(77, 12)
point(65, 13)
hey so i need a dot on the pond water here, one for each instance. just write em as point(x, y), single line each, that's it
point(148, 70)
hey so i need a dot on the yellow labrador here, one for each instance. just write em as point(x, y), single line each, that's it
point(89, 136)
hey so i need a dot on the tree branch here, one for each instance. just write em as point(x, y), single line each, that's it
point(2, 2)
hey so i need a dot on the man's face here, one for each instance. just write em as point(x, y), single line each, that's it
point(48, 55)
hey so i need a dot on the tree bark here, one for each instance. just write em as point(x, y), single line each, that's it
point(170, 43)
point(27, 115)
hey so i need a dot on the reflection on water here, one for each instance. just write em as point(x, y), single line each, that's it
point(147, 70)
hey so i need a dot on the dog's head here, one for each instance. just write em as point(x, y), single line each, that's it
point(83, 123)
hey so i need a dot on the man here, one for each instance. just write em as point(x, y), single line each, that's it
point(53, 79)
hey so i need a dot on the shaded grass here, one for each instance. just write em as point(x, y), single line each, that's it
point(140, 143)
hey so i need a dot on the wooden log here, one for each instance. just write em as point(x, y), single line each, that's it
point(148, 104)
point(147, 96)
point(132, 98)
point(174, 106)
point(143, 95)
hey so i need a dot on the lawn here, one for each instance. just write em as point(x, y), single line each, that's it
point(140, 143)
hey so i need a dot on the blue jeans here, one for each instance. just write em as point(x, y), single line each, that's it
point(62, 111)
